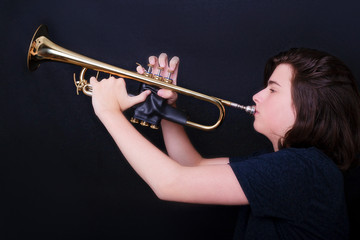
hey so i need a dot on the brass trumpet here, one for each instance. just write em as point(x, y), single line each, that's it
point(42, 49)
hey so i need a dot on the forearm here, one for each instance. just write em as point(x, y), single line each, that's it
point(155, 167)
point(178, 144)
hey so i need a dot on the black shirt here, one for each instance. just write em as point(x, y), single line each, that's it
point(293, 194)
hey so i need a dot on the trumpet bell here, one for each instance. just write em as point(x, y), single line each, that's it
point(33, 61)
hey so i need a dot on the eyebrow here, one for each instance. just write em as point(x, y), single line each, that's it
point(273, 82)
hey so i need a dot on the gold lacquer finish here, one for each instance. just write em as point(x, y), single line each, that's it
point(42, 49)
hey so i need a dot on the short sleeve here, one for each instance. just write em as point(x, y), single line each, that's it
point(276, 184)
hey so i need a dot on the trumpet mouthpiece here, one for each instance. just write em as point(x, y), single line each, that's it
point(249, 109)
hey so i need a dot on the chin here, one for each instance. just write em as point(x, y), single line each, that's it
point(257, 128)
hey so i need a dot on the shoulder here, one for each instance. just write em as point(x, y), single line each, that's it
point(295, 155)
point(310, 154)
point(312, 158)
point(301, 162)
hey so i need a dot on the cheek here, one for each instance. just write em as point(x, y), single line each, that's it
point(285, 119)
point(275, 118)
point(277, 121)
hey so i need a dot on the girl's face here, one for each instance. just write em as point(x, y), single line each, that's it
point(275, 113)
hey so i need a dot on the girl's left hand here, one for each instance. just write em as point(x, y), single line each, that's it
point(163, 62)
point(110, 95)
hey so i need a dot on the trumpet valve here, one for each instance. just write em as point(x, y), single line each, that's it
point(153, 126)
point(143, 123)
point(168, 78)
point(147, 73)
point(134, 120)
point(158, 75)
point(150, 67)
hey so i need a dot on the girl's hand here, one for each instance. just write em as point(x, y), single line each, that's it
point(110, 95)
point(172, 66)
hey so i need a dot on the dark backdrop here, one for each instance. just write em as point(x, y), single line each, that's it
point(62, 175)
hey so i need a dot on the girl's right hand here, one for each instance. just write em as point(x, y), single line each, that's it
point(172, 66)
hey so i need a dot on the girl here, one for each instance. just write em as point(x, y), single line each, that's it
point(309, 110)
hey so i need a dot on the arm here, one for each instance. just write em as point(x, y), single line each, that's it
point(178, 145)
point(211, 184)
point(181, 149)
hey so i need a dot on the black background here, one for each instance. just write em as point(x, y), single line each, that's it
point(62, 175)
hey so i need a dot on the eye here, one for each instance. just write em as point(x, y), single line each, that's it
point(271, 90)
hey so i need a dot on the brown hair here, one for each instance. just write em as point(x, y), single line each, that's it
point(327, 104)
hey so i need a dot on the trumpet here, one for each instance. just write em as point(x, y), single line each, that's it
point(42, 49)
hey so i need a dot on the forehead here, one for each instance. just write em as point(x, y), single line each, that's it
point(283, 74)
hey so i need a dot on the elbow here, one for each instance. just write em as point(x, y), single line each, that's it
point(167, 184)
point(160, 195)
point(167, 189)
point(164, 192)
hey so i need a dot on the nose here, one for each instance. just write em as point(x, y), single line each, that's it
point(256, 97)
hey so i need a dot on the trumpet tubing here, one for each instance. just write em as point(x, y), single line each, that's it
point(42, 49)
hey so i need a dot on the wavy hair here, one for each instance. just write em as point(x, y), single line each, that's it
point(327, 105)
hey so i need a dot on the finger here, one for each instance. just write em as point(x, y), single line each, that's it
point(165, 93)
point(170, 96)
point(163, 62)
point(174, 67)
point(140, 98)
point(153, 60)
point(93, 81)
point(118, 81)
point(174, 63)
point(161, 65)
point(140, 69)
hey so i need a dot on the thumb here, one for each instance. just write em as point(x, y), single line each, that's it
point(141, 97)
